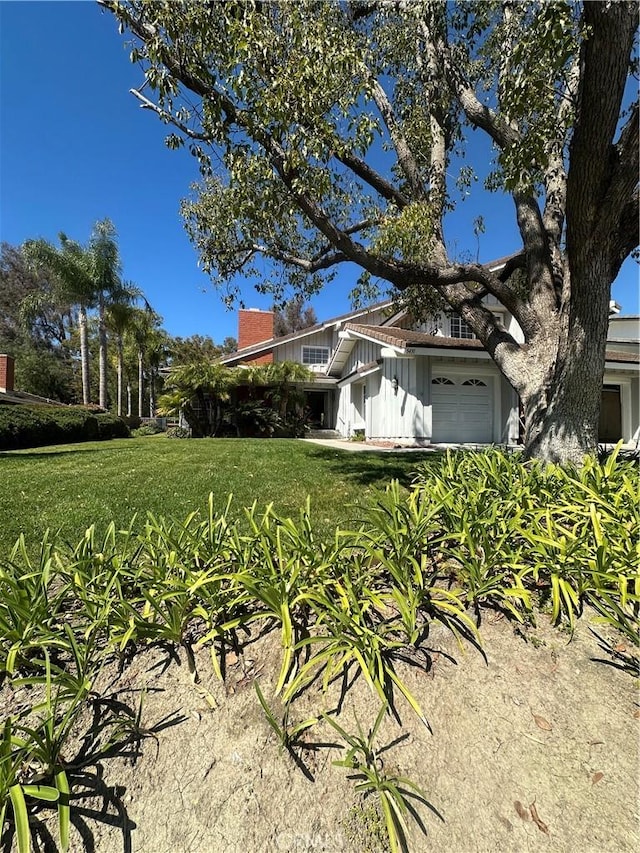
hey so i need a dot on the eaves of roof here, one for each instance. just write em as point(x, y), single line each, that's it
point(406, 338)
point(26, 399)
point(623, 357)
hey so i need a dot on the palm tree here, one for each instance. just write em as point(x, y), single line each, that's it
point(105, 263)
point(280, 377)
point(197, 391)
point(87, 276)
point(120, 316)
point(156, 355)
point(143, 329)
point(74, 283)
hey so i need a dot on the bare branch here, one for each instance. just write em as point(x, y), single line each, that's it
point(623, 186)
point(167, 117)
point(362, 169)
point(309, 265)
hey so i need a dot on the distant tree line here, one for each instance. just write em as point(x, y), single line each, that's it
point(80, 333)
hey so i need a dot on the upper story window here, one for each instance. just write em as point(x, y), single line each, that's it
point(315, 355)
point(459, 329)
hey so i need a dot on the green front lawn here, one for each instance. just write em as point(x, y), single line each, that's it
point(69, 487)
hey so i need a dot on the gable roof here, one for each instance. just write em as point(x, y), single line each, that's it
point(334, 322)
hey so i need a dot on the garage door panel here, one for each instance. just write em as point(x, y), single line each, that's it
point(461, 413)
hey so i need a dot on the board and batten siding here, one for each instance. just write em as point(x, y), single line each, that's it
point(399, 416)
point(364, 352)
point(292, 351)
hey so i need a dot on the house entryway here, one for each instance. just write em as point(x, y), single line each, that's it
point(462, 409)
point(610, 426)
point(317, 405)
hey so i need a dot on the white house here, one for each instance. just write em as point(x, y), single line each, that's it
point(380, 375)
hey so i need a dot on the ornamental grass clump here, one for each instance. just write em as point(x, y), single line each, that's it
point(397, 795)
point(514, 532)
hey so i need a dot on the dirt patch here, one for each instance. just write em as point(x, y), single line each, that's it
point(533, 748)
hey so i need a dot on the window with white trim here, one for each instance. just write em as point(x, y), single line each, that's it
point(459, 329)
point(477, 383)
point(441, 380)
point(315, 355)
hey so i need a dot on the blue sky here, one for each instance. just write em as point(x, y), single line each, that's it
point(75, 147)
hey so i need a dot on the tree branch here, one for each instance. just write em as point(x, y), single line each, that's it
point(478, 114)
point(309, 265)
point(605, 61)
point(406, 159)
point(362, 169)
point(168, 118)
point(624, 177)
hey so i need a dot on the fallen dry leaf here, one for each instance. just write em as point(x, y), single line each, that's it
point(543, 724)
point(522, 812)
point(506, 823)
point(636, 713)
point(620, 647)
point(597, 777)
point(542, 826)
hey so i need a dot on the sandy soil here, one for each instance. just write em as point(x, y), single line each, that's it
point(534, 748)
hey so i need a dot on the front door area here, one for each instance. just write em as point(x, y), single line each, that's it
point(610, 427)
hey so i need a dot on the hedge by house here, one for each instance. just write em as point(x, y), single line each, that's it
point(34, 426)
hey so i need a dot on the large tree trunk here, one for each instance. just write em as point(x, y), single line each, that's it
point(102, 342)
point(84, 355)
point(562, 411)
point(128, 399)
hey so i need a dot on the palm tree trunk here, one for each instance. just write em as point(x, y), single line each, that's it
point(120, 360)
point(152, 394)
point(102, 340)
point(140, 382)
point(84, 354)
point(128, 399)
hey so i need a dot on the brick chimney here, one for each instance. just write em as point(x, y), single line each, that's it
point(255, 327)
point(7, 363)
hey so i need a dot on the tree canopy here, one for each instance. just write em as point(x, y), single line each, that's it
point(327, 133)
point(293, 316)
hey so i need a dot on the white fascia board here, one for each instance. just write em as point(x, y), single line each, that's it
point(394, 352)
point(356, 377)
point(626, 366)
point(446, 352)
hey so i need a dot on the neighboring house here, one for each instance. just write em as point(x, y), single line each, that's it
point(380, 375)
point(8, 393)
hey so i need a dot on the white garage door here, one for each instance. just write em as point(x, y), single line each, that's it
point(462, 409)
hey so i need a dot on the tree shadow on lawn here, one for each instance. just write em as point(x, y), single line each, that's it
point(59, 450)
point(374, 468)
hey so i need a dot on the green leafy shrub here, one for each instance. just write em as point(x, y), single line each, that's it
point(132, 421)
point(177, 432)
point(148, 429)
point(111, 426)
point(34, 426)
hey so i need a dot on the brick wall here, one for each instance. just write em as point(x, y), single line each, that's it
point(7, 363)
point(254, 327)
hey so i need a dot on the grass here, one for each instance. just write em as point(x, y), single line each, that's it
point(68, 487)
